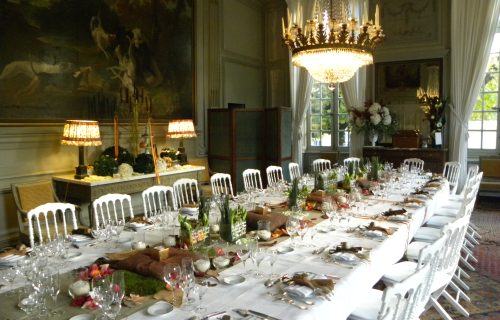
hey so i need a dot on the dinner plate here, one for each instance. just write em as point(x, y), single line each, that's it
point(232, 280)
point(296, 291)
point(136, 225)
point(285, 249)
point(398, 217)
point(159, 309)
point(345, 257)
point(125, 239)
point(11, 259)
point(80, 238)
point(86, 316)
point(325, 229)
point(72, 255)
point(374, 234)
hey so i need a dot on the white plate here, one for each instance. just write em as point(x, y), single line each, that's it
point(284, 249)
point(230, 280)
point(136, 225)
point(12, 258)
point(345, 257)
point(413, 205)
point(374, 234)
point(159, 309)
point(325, 229)
point(80, 238)
point(83, 317)
point(72, 255)
point(125, 239)
point(398, 217)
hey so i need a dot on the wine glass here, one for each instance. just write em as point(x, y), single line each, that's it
point(302, 229)
point(118, 284)
point(292, 225)
point(171, 276)
point(202, 288)
point(54, 287)
point(243, 253)
point(273, 257)
point(259, 257)
point(9, 276)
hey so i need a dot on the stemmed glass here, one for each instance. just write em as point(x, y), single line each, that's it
point(243, 253)
point(171, 275)
point(9, 276)
point(54, 287)
point(202, 288)
point(292, 225)
point(258, 257)
point(273, 257)
point(302, 229)
point(115, 296)
point(187, 279)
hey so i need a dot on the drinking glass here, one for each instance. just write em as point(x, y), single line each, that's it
point(9, 276)
point(118, 284)
point(54, 287)
point(302, 229)
point(273, 257)
point(243, 253)
point(259, 257)
point(292, 225)
point(202, 290)
point(171, 276)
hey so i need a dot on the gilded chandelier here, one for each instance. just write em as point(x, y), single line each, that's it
point(334, 48)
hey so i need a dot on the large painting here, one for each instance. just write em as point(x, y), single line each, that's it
point(84, 59)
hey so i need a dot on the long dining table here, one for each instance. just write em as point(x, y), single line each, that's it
point(352, 281)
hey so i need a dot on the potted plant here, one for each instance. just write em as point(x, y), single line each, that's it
point(233, 223)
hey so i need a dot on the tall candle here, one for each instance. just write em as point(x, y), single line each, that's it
point(377, 16)
point(283, 26)
point(365, 12)
point(116, 134)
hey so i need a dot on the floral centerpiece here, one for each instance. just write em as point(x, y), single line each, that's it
point(373, 118)
point(434, 113)
point(169, 155)
point(81, 289)
point(233, 222)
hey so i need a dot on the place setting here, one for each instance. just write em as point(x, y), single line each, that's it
point(346, 255)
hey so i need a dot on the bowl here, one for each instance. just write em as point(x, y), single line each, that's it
point(79, 288)
point(232, 280)
point(202, 265)
point(159, 309)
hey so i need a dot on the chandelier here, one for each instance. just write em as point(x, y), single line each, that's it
point(430, 96)
point(333, 48)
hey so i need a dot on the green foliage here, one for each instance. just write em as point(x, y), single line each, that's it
point(144, 163)
point(375, 169)
point(168, 152)
point(319, 181)
point(350, 168)
point(123, 155)
point(105, 165)
point(142, 285)
point(230, 215)
point(293, 194)
point(346, 185)
point(204, 211)
point(184, 223)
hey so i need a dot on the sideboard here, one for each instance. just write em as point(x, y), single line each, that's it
point(83, 192)
point(434, 158)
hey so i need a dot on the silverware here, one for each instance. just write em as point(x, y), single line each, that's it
point(246, 313)
point(291, 302)
point(213, 314)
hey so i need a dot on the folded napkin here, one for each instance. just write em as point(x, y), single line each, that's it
point(413, 200)
point(298, 291)
point(276, 220)
point(322, 286)
point(373, 227)
point(139, 220)
point(392, 212)
point(343, 247)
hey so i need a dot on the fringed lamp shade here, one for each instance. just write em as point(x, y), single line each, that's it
point(81, 133)
point(180, 129)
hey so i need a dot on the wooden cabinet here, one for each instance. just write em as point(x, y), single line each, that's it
point(434, 158)
point(239, 139)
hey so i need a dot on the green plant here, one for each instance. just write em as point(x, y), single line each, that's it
point(144, 163)
point(123, 155)
point(375, 168)
point(204, 211)
point(319, 181)
point(229, 215)
point(293, 194)
point(105, 165)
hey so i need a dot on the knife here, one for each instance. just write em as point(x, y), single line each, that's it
point(213, 314)
point(262, 315)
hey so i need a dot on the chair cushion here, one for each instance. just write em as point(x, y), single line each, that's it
point(427, 234)
point(413, 249)
point(369, 306)
point(399, 271)
point(31, 195)
point(439, 221)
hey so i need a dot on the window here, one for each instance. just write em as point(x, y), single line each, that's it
point(483, 123)
point(328, 120)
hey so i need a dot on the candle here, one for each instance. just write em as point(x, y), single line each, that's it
point(365, 12)
point(283, 26)
point(115, 134)
point(377, 16)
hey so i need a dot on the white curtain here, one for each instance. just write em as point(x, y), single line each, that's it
point(353, 92)
point(473, 25)
point(300, 82)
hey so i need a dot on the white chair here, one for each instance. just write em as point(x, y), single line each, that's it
point(320, 165)
point(47, 214)
point(399, 301)
point(221, 184)
point(186, 191)
point(252, 179)
point(294, 170)
point(355, 161)
point(274, 175)
point(112, 207)
point(451, 172)
point(158, 199)
point(414, 163)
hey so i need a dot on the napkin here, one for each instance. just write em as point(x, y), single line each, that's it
point(345, 257)
point(298, 291)
point(13, 251)
point(343, 247)
point(277, 220)
point(323, 286)
point(373, 227)
point(392, 212)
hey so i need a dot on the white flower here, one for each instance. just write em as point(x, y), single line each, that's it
point(374, 108)
point(387, 120)
point(360, 122)
point(385, 111)
point(375, 119)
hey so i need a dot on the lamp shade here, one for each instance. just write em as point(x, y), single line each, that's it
point(81, 133)
point(178, 129)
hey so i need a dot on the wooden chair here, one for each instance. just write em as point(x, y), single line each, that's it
point(112, 207)
point(47, 215)
point(186, 191)
point(221, 184)
point(451, 172)
point(157, 199)
point(294, 170)
point(252, 179)
point(274, 175)
point(320, 165)
point(414, 163)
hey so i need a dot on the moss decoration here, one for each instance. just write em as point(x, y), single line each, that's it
point(144, 163)
point(319, 182)
point(375, 169)
point(105, 165)
point(293, 194)
point(123, 155)
point(142, 285)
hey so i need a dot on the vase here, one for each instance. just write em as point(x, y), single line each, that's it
point(373, 136)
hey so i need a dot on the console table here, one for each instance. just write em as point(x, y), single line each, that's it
point(434, 158)
point(82, 192)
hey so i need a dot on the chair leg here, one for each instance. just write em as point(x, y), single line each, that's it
point(467, 264)
point(471, 239)
point(469, 254)
point(454, 301)
point(439, 308)
point(460, 282)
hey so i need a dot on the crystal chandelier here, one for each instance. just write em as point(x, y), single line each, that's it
point(334, 48)
point(429, 97)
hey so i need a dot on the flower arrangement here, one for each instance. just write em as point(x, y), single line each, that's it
point(434, 113)
point(80, 289)
point(373, 117)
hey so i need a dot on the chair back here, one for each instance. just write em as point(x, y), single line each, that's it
point(274, 175)
point(451, 172)
point(112, 207)
point(186, 191)
point(320, 165)
point(221, 184)
point(402, 299)
point(252, 179)
point(355, 161)
point(47, 215)
point(158, 199)
point(414, 163)
point(294, 170)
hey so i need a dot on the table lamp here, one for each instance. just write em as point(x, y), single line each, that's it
point(81, 133)
point(180, 129)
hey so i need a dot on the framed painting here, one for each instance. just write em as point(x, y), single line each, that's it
point(397, 82)
point(65, 59)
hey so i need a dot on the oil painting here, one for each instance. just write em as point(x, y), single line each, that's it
point(90, 59)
